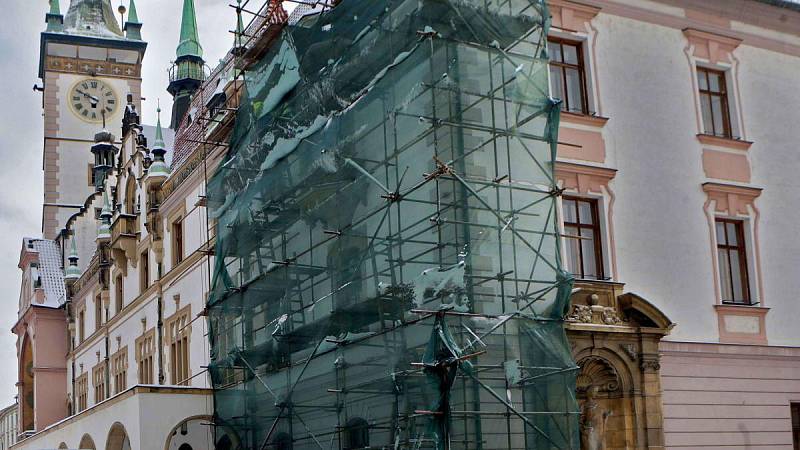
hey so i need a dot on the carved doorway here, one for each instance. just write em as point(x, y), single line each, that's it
point(614, 338)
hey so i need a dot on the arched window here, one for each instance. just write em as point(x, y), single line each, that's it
point(356, 434)
point(281, 441)
point(87, 443)
point(224, 443)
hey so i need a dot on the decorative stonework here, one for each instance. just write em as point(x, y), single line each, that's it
point(571, 16)
point(596, 371)
point(742, 324)
point(584, 179)
point(92, 67)
point(615, 340)
point(731, 200)
point(711, 47)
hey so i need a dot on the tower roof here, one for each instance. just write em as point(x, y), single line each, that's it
point(159, 141)
point(189, 44)
point(133, 16)
point(92, 18)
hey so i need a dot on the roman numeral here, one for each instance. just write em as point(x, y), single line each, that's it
point(94, 84)
point(76, 98)
point(112, 102)
point(85, 86)
point(94, 116)
point(109, 94)
point(108, 108)
point(85, 113)
point(78, 106)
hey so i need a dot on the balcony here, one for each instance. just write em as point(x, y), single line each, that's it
point(124, 237)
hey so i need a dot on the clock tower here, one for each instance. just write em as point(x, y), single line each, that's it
point(88, 65)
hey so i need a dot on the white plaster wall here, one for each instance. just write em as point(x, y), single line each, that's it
point(661, 231)
point(770, 91)
point(148, 419)
point(192, 288)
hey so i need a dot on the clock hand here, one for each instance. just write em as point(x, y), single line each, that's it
point(94, 99)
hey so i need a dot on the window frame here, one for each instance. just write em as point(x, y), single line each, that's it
point(99, 382)
point(82, 392)
point(744, 267)
point(727, 125)
point(145, 357)
point(580, 67)
point(356, 434)
point(178, 336)
point(119, 293)
point(144, 271)
point(178, 241)
point(795, 418)
point(98, 312)
point(597, 230)
point(119, 370)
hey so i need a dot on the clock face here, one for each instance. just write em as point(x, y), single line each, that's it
point(91, 98)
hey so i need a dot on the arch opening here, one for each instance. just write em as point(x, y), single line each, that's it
point(118, 438)
point(87, 443)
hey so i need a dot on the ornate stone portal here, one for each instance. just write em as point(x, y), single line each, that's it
point(615, 339)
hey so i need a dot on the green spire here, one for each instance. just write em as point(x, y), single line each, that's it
point(159, 143)
point(72, 271)
point(189, 44)
point(158, 171)
point(132, 16)
point(54, 19)
point(238, 42)
point(132, 26)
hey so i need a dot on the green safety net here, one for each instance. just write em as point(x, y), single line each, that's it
point(387, 271)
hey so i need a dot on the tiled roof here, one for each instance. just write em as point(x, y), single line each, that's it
point(49, 271)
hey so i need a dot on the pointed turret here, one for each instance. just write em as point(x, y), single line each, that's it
point(158, 171)
point(104, 153)
point(187, 74)
point(132, 27)
point(72, 272)
point(239, 46)
point(104, 230)
point(54, 19)
point(92, 18)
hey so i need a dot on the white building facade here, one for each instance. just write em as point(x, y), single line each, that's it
point(680, 145)
point(678, 159)
point(8, 427)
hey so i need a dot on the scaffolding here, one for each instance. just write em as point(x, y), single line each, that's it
point(387, 269)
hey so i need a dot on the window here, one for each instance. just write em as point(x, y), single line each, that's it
point(714, 102)
point(568, 75)
point(119, 370)
point(582, 238)
point(796, 425)
point(119, 298)
point(177, 242)
point(145, 350)
point(144, 271)
point(81, 391)
point(98, 312)
point(81, 325)
point(281, 441)
point(356, 434)
point(91, 175)
point(99, 380)
point(178, 331)
point(732, 259)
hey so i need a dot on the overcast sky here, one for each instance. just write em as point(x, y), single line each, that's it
point(21, 128)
